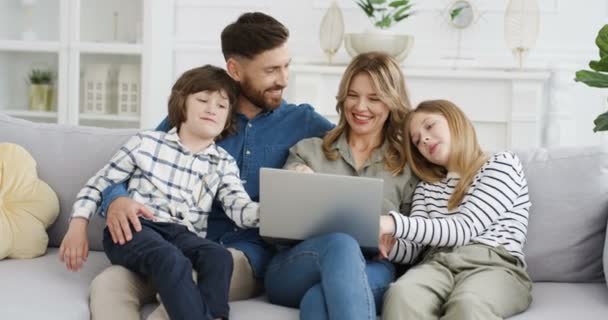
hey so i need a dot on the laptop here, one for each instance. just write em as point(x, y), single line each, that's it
point(297, 206)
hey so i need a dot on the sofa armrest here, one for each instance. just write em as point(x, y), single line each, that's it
point(605, 256)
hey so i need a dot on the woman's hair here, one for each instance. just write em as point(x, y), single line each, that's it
point(206, 78)
point(389, 84)
point(466, 156)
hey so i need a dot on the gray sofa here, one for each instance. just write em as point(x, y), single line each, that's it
point(565, 250)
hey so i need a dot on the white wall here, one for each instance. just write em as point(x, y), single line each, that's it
point(565, 44)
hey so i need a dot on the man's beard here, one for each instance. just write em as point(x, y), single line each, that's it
point(257, 97)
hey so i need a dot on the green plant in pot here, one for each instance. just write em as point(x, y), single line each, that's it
point(598, 76)
point(40, 90)
point(384, 15)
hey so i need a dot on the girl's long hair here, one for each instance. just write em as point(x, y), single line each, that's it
point(389, 83)
point(466, 156)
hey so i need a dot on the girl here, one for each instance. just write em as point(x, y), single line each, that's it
point(472, 211)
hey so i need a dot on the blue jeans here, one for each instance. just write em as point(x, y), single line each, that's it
point(327, 277)
point(167, 253)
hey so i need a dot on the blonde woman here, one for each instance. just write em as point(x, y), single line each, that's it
point(329, 277)
point(471, 210)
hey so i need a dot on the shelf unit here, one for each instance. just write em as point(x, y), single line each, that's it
point(73, 37)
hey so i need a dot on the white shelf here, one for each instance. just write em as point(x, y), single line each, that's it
point(31, 114)
point(30, 46)
point(109, 48)
point(108, 117)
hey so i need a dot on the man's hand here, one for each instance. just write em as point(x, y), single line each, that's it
point(74, 248)
point(123, 212)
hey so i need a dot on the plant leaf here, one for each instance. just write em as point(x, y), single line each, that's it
point(601, 122)
point(592, 78)
point(398, 3)
point(601, 65)
point(602, 41)
point(366, 7)
point(377, 1)
point(454, 13)
point(401, 13)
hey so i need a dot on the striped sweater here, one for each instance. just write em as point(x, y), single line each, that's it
point(494, 212)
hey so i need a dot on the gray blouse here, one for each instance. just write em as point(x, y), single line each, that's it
point(398, 190)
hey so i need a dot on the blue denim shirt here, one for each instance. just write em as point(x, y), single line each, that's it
point(263, 141)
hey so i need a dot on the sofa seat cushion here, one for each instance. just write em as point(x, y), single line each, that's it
point(551, 300)
point(27, 205)
point(42, 288)
point(564, 301)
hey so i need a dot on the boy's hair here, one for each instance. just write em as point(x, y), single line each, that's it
point(205, 78)
point(251, 34)
point(389, 84)
point(466, 156)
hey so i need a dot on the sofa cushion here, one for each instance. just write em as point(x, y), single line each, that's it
point(605, 258)
point(42, 288)
point(565, 301)
point(569, 193)
point(67, 157)
point(27, 205)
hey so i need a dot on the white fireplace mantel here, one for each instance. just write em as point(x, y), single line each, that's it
point(507, 107)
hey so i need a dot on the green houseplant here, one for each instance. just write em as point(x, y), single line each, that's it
point(385, 14)
point(598, 76)
point(40, 90)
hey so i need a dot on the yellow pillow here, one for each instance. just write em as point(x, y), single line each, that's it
point(27, 205)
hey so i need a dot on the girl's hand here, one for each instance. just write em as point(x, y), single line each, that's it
point(386, 245)
point(74, 248)
point(387, 225)
point(301, 168)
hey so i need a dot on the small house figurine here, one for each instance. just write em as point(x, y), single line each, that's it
point(99, 80)
point(128, 89)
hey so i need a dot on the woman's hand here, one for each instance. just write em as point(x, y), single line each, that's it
point(74, 248)
point(301, 168)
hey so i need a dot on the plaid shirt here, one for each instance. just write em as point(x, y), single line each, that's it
point(176, 184)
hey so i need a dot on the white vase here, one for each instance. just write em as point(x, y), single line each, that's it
point(396, 45)
point(331, 31)
point(522, 20)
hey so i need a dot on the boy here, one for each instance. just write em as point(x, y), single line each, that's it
point(178, 175)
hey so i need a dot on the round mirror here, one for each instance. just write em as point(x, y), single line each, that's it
point(461, 14)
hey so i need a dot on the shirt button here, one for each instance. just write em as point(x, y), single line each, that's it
point(249, 125)
point(247, 152)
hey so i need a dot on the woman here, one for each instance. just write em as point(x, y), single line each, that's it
point(329, 277)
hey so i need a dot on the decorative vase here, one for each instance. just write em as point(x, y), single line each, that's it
point(40, 97)
point(396, 45)
point(522, 20)
point(331, 31)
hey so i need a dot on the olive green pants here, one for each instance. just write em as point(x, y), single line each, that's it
point(465, 283)
point(118, 293)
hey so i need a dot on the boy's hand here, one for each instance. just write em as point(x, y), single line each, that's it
point(74, 248)
point(122, 213)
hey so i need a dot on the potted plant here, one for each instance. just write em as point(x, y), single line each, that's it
point(598, 76)
point(40, 89)
point(384, 15)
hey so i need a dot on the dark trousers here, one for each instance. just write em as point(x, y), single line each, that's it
point(167, 253)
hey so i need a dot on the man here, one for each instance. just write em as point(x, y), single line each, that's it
point(257, 57)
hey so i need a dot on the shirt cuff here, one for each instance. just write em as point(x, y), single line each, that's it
point(400, 223)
